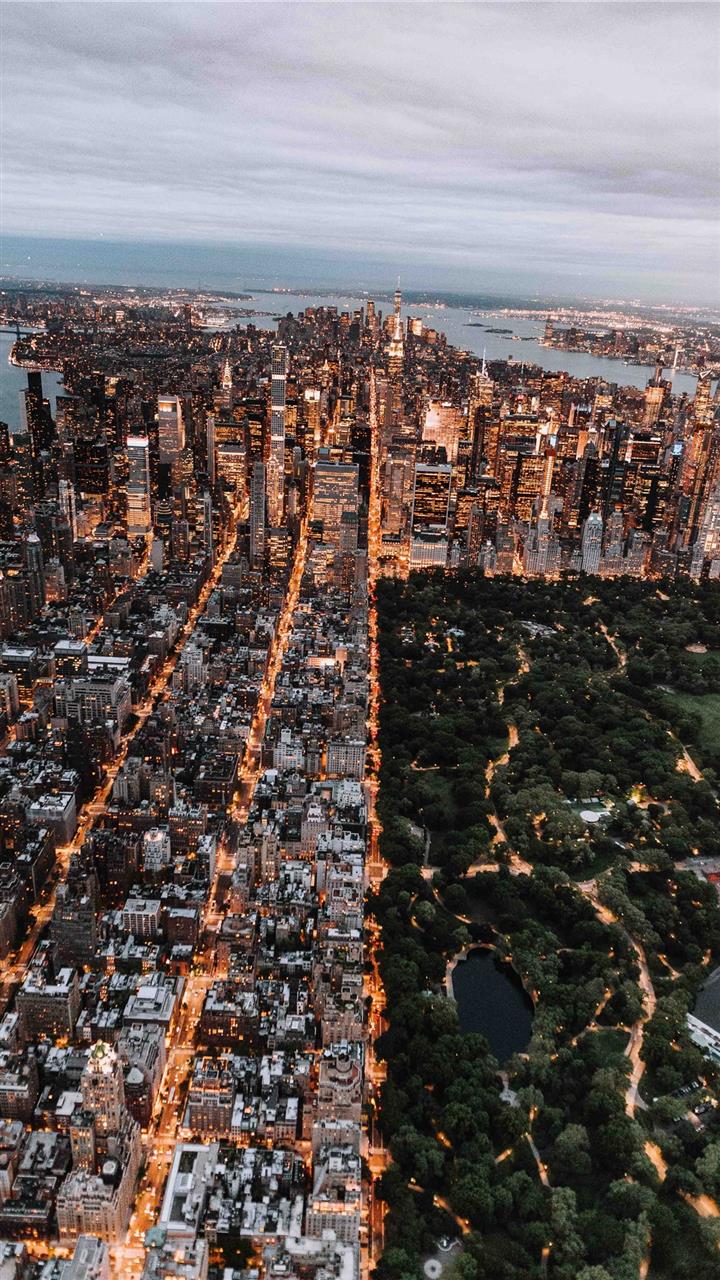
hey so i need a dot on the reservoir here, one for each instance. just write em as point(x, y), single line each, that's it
point(490, 1001)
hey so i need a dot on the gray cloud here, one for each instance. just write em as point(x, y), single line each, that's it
point(565, 135)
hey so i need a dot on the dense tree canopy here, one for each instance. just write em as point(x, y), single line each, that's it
point(536, 796)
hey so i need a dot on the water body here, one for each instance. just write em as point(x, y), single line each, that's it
point(458, 323)
point(14, 380)
point(492, 1002)
point(460, 326)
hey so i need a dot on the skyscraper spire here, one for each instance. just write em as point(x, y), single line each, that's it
point(397, 328)
point(396, 346)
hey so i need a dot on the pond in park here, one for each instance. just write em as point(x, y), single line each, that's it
point(491, 1000)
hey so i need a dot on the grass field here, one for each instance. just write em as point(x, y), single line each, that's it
point(705, 708)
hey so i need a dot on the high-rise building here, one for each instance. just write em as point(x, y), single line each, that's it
point(396, 347)
point(654, 399)
point(335, 498)
point(66, 496)
point(171, 431)
point(431, 496)
point(102, 1088)
point(702, 404)
point(231, 463)
point(592, 536)
point(479, 410)
point(276, 458)
point(37, 423)
point(529, 481)
point(443, 427)
point(257, 516)
point(226, 382)
point(139, 511)
point(207, 526)
point(313, 438)
point(210, 444)
point(706, 550)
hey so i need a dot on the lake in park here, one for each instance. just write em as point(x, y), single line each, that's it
point(491, 1001)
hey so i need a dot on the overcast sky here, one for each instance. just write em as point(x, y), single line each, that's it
point(568, 142)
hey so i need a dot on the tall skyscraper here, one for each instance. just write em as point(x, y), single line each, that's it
point(706, 550)
point(103, 1088)
point(139, 511)
point(276, 458)
point(227, 385)
point(257, 516)
point(702, 404)
point(35, 564)
point(313, 437)
point(210, 445)
point(335, 500)
point(480, 401)
point(396, 346)
point(654, 399)
point(37, 423)
point(66, 495)
point(207, 526)
point(171, 431)
point(592, 536)
point(431, 497)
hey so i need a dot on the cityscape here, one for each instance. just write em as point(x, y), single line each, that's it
point(359, 646)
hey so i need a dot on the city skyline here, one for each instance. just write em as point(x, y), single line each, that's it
point(322, 640)
point(359, 642)
point(493, 146)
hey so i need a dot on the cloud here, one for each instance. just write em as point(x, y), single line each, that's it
point(567, 134)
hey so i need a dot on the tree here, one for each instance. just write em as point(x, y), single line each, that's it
point(472, 1198)
point(707, 1167)
point(572, 1152)
point(568, 1247)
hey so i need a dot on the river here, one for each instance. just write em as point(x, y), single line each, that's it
point(491, 1001)
point(459, 324)
point(14, 380)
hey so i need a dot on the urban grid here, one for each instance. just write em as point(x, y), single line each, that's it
point(195, 546)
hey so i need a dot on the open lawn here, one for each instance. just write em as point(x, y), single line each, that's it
point(705, 709)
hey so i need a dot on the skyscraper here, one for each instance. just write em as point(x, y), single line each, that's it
point(706, 550)
point(431, 497)
point(335, 499)
point(479, 409)
point(257, 516)
point(276, 459)
point(210, 445)
point(592, 543)
point(312, 416)
point(227, 385)
point(396, 346)
point(654, 399)
point(66, 496)
point(171, 432)
point(37, 424)
point(138, 485)
point(102, 1088)
point(207, 526)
